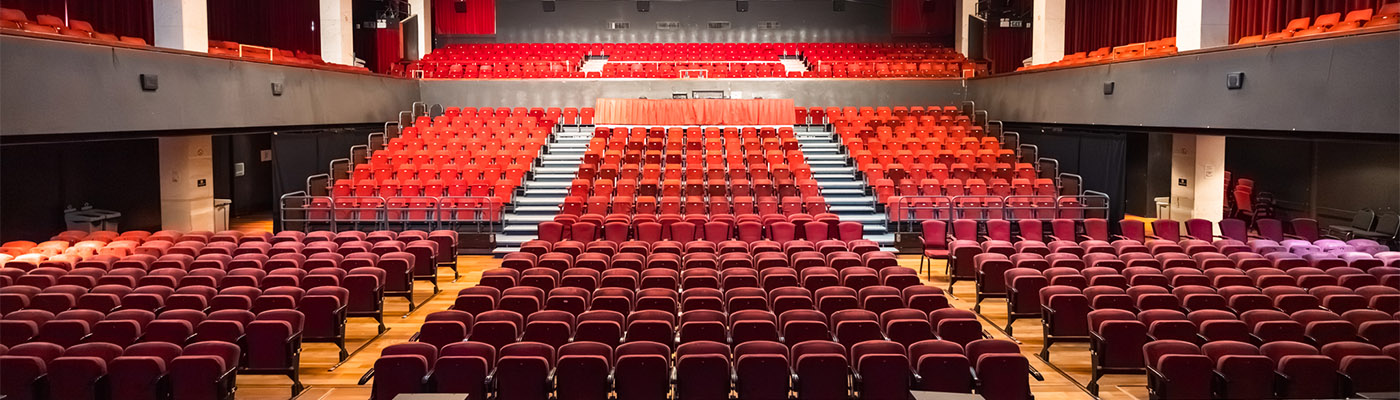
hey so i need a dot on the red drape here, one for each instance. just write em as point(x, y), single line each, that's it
point(1094, 24)
point(282, 24)
point(388, 48)
point(694, 112)
point(1260, 17)
point(1006, 48)
point(119, 17)
point(927, 19)
point(478, 19)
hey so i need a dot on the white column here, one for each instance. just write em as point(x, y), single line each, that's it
point(181, 24)
point(965, 9)
point(337, 33)
point(1202, 24)
point(1198, 177)
point(425, 26)
point(1047, 31)
point(187, 183)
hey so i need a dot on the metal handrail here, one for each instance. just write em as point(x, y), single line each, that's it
point(441, 212)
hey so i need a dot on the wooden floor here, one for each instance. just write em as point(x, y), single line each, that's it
point(1064, 382)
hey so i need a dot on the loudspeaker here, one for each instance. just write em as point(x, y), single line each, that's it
point(548, 5)
point(459, 6)
point(741, 6)
point(643, 6)
point(838, 5)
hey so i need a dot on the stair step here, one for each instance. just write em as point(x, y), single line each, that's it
point(840, 184)
point(556, 170)
point(537, 209)
point(547, 185)
point(832, 170)
point(522, 229)
point(849, 209)
point(556, 193)
point(512, 240)
point(832, 192)
point(833, 177)
point(544, 200)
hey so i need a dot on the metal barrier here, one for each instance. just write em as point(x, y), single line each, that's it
point(466, 214)
point(905, 214)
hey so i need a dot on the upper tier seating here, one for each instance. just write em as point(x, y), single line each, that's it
point(275, 55)
point(1387, 15)
point(1139, 298)
point(48, 24)
point(684, 60)
point(1166, 46)
point(252, 298)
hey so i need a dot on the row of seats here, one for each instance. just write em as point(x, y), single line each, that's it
point(1386, 15)
point(714, 228)
point(1133, 291)
point(698, 250)
point(1233, 369)
point(641, 207)
point(47, 24)
point(202, 370)
point(1163, 47)
point(814, 369)
point(276, 55)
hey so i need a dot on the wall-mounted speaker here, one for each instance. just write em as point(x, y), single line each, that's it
point(548, 5)
point(643, 6)
point(459, 6)
point(741, 6)
point(838, 5)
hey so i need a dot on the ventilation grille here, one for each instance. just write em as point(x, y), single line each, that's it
point(719, 24)
point(619, 25)
point(668, 25)
point(769, 25)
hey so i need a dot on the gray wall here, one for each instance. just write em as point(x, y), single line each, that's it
point(583, 93)
point(53, 86)
point(1346, 84)
point(587, 21)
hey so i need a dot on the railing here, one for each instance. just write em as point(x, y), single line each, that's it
point(906, 214)
point(301, 212)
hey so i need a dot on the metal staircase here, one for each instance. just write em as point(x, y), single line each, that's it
point(845, 192)
point(542, 194)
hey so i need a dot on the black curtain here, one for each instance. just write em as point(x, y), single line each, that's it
point(1100, 157)
point(42, 179)
point(118, 17)
point(299, 154)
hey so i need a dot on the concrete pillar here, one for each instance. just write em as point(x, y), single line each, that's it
point(1202, 24)
point(1047, 31)
point(337, 32)
point(187, 183)
point(425, 28)
point(181, 24)
point(1198, 177)
point(965, 9)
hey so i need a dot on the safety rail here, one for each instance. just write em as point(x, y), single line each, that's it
point(466, 214)
point(907, 213)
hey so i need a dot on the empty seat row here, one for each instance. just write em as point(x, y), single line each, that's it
point(756, 369)
point(48, 24)
point(142, 370)
point(1165, 46)
point(1386, 15)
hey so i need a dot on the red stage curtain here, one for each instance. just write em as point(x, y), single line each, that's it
point(1262, 17)
point(1094, 24)
point(282, 24)
point(1006, 48)
point(694, 112)
point(119, 17)
point(928, 19)
point(479, 18)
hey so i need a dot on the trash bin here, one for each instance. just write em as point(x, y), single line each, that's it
point(221, 207)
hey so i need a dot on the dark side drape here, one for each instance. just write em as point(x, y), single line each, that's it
point(119, 17)
point(479, 17)
point(928, 20)
point(282, 24)
point(1094, 24)
point(1260, 17)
